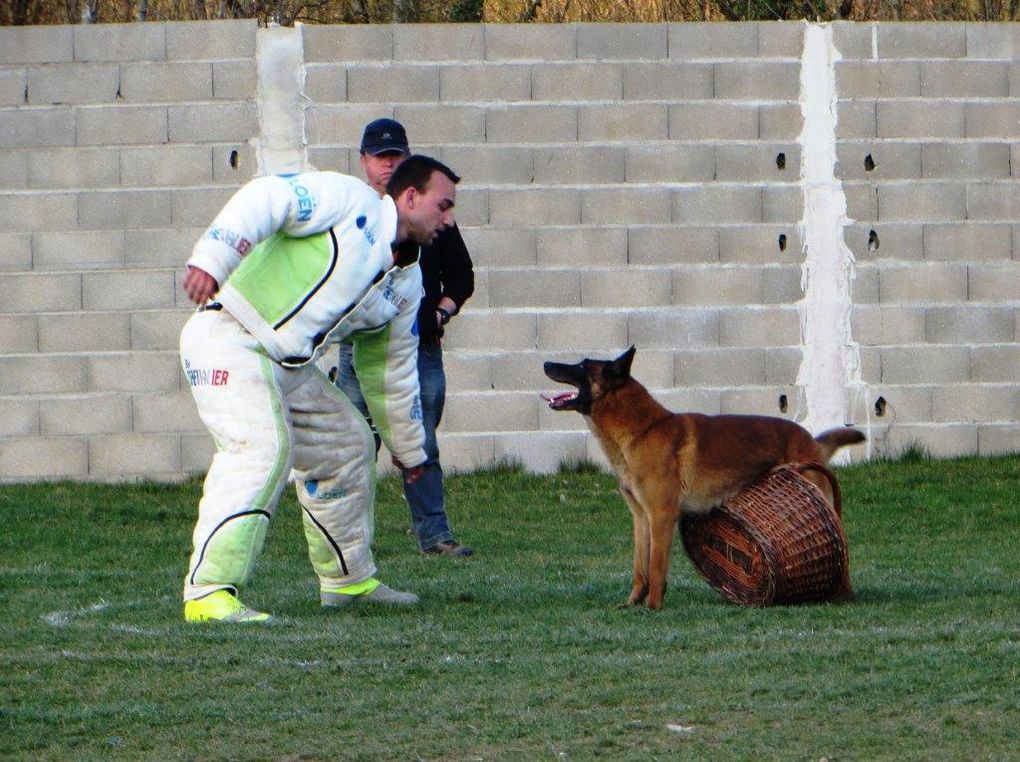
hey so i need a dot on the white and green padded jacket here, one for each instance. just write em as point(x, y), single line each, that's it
point(304, 261)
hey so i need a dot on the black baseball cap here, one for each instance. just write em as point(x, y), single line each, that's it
point(383, 136)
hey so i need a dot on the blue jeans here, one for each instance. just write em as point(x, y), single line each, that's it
point(425, 496)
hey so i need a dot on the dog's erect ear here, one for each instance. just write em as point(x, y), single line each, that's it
point(619, 369)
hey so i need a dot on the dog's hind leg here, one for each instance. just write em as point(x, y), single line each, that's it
point(639, 586)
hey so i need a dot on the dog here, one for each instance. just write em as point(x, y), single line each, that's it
point(669, 462)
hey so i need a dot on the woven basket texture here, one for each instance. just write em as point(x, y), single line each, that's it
point(778, 541)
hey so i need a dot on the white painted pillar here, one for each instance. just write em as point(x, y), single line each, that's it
point(280, 146)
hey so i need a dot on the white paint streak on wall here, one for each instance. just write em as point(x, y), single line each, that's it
point(281, 145)
point(830, 373)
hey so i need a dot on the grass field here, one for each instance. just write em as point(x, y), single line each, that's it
point(519, 652)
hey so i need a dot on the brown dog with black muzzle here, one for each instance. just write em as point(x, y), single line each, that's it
point(669, 462)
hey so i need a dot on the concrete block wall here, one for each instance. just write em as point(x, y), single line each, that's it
point(622, 184)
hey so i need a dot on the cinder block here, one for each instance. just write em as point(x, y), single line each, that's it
point(780, 39)
point(938, 440)
point(695, 400)
point(939, 364)
point(583, 331)
point(772, 326)
point(854, 39)
point(708, 204)
point(901, 241)
point(967, 324)
point(856, 120)
point(889, 161)
point(920, 119)
point(782, 365)
point(166, 82)
point(675, 328)
point(530, 124)
point(13, 87)
point(73, 83)
point(84, 332)
point(18, 333)
point(993, 283)
point(213, 39)
point(472, 206)
point(40, 293)
point(623, 206)
point(212, 122)
point(166, 165)
point(758, 162)
point(491, 165)
point(969, 160)
point(713, 40)
point(438, 42)
point(42, 374)
point(862, 201)
point(164, 413)
point(347, 42)
point(623, 122)
point(521, 371)
point(891, 405)
point(993, 40)
point(128, 290)
point(912, 40)
point(974, 403)
point(157, 330)
point(159, 248)
point(465, 453)
point(995, 120)
point(757, 401)
point(644, 81)
point(925, 202)
point(468, 372)
point(865, 285)
point(38, 212)
point(326, 83)
point(759, 244)
point(967, 241)
point(197, 207)
point(758, 80)
point(104, 210)
point(14, 170)
point(579, 165)
point(781, 284)
point(485, 83)
point(992, 201)
point(15, 252)
point(577, 81)
point(122, 125)
point(84, 414)
point(630, 287)
point(120, 42)
point(535, 42)
point(782, 203)
point(615, 42)
point(491, 411)
point(392, 84)
point(125, 456)
point(36, 44)
point(877, 325)
point(721, 367)
point(669, 244)
point(506, 247)
point(38, 128)
point(995, 364)
point(998, 439)
point(779, 121)
point(336, 159)
point(924, 283)
point(493, 331)
point(148, 372)
point(708, 120)
point(964, 79)
point(331, 125)
point(18, 418)
point(672, 164)
point(520, 288)
point(197, 452)
point(716, 285)
point(58, 168)
point(541, 452)
point(535, 206)
point(441, 124)
point(581, 247)
point(235, 164)
point(43, 458)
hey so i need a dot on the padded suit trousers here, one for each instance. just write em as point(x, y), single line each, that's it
point(269, 422)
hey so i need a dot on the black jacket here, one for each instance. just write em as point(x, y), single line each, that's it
point(446, 270)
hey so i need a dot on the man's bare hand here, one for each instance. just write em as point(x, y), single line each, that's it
point(411, 475)
point(199, 285)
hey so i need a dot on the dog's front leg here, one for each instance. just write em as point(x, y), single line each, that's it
point(639, 586)
point(662, 529)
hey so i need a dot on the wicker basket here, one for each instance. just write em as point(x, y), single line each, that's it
point(778, 541)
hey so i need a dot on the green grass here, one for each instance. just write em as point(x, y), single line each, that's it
point(518, 653)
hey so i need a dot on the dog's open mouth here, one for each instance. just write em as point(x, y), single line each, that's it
point(560, 399)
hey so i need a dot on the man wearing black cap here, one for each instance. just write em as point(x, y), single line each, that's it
point(448, 280)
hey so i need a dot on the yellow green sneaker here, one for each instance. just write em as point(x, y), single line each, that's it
point(371, 591)
point(221, 606)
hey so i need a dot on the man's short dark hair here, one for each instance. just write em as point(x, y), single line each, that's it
point(415, 172)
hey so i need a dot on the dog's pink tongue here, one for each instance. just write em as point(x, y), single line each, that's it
point(552, 399)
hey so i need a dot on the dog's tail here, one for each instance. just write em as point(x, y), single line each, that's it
point(831, 440)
